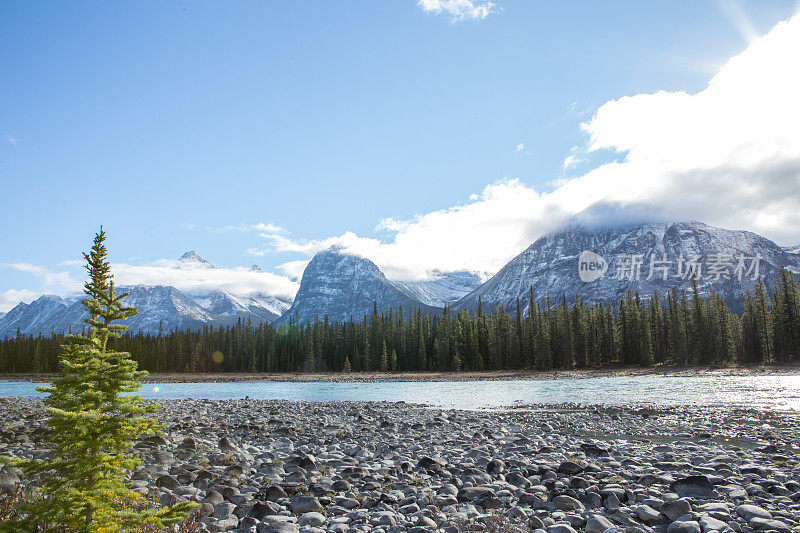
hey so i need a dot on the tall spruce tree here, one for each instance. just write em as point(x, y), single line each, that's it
point(81, 486)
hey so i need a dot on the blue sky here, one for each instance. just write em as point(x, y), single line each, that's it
point(170, 121)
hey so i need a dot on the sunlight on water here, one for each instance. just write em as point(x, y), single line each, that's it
point(761, 392)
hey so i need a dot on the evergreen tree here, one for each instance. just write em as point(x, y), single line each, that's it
point(92, 425)
point(384, 359)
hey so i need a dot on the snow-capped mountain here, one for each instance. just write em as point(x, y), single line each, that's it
point(40, 316)
point(444, 289)
point(260, 307)
point(192, 259)
point(160, 307)
point(342, 286)
point(551, 264)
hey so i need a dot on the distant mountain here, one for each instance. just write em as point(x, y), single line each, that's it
point(40, 316)
point(160, 307)
point(550, 265)
point(193, 260)
point(444, 289)
point(260, 307)
point(342, 286)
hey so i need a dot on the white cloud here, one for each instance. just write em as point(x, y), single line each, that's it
point(459, 9)
point(294, 269)
point(576, 156)
point(189, 278)
point(728, 155)
point(9, 299)
point(50, 280)
point(10, 138)
point(198, 279)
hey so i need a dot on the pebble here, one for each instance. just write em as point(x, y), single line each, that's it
point(279, 466)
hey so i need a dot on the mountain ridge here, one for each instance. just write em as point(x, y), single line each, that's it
point(550, 264)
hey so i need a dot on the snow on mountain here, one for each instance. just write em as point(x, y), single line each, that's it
point(342, 286)
point(550, 265)
point(259, 307)
point(266, 304)
point(161, 307)
point(33, 318)
point(444, 289)
point(255, 268)
point(192, 259)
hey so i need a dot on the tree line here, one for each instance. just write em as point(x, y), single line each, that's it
point(679, 328)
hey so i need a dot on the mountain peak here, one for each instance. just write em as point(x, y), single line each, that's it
point(193, 258)
point(341, 286)
point(256, 268)
point(550, 266)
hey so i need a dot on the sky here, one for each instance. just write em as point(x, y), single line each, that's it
point(429, 136)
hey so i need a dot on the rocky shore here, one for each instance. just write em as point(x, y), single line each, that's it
point(789, 369)
point(278, 466)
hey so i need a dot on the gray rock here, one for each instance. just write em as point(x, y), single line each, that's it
point(567, 503)
point(675, 508)
point(570, 467)
point(224, 510)
point(277, 524)
point(312, 519)
point(769, 524)
point(495, 466)
point(684, 527)
point(301, 504)
point(648, 515)
point(472, 494)
point(749, 511)
point(709, 523)
point(695, 486)
point(561, 528)
point(612, 502)
point(597, 524)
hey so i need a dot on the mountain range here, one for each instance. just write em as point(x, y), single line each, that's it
point(161, 308)
point(342, 286)
point(549, 266)
point(646, 258)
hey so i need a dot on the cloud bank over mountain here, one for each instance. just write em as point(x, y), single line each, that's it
point(728, 154)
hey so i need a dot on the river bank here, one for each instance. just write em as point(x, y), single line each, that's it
point(370, 377)
point(280, 466)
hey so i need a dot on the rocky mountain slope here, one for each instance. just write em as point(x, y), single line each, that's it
point(644, 257)
point(160, 308)
point(551, 264)
point(342, 286)
point(444, 289)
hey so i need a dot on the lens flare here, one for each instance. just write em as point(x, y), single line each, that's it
point(217, 357)
point(156, 389)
